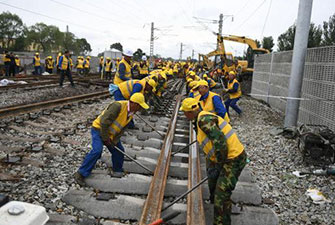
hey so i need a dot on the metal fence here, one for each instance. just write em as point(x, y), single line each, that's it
point(272, 74)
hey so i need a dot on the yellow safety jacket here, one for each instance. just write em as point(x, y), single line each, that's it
point(57, 59)
point(144, 69)
point(17, 62)
point(117, 79)
point(108, 66)
point(126, 87)
point(236, 94)
point(71, 63)
point(5, 59)
point(235, 147)
point(80, 64)
point(49, 63)
point(118, 124)
point(196, 94)
point(101, 63)
point(211, 82)
point(87, 64)
point(37, 61)
point(65, 63)
point(208, 104)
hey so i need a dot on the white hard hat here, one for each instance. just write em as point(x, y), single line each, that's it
point(128, 53)
point(144, 57)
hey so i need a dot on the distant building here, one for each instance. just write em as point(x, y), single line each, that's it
point(113, 53)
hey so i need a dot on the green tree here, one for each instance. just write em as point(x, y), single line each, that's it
point(82, 47)
point(268, 43)
point(117, 46)
point(286, 40)
point(11, 28)
point(314, 36)
point(47, 38)
point(329, 31)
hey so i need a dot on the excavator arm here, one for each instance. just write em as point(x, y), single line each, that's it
point(242, 39)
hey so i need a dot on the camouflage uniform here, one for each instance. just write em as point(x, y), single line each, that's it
point(222, 185)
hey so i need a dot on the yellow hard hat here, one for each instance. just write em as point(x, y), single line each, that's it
point(139, 99)
point(153, 84)
point(232, 73)
point(88, 57)
point(189, 80)
point(108, 58)
point(200, 83)
point(163, 74)
point(219, 70)
point(59, 54)
point(37, 53)
point(193, 84)
point(192, 73)
point(101, 57)
point(205, 76)
point(189, 104)
point(49, 57)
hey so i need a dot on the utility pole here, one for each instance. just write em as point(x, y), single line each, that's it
point(298, 62)
point(192, 53)
point(181, 51)
point(151, 45)
point(220, 28)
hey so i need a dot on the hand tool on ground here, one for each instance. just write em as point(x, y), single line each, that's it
point(150, 125)
point(165, 218)
point(134, 160)
point(328, 171)
point(186, 193)
point(182, 149)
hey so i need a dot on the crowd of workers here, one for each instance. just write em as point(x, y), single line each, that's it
point(133, 85)
point(225, 154)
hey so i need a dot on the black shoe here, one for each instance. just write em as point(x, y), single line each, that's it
point(80, 179)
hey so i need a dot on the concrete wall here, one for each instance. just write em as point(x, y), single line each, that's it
point(272, 74)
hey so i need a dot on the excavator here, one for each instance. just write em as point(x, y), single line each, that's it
point(227, 60)
point(247, 66)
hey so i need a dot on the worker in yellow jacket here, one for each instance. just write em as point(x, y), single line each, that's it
point(225, 157)
point(49, 64)
point(17, 64)
point(80, 65)
point(234, 92)
point(124, 72)
point(37, 64)
point(65, 66)
point(108, 68)
point(107, 130)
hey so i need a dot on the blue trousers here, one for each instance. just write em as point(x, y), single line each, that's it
point(232, 103)
point(38, 70)
point(92, 157)
point(119, 97)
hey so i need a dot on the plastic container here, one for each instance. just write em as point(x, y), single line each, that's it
point(21, 213)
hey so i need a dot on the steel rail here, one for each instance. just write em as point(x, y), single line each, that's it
point(195, 205)
point(19, 109)
point(154, 202)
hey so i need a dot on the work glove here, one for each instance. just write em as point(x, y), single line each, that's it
point(108, 142)
point(213, 173)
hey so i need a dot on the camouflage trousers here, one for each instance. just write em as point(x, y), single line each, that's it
point(222, 186)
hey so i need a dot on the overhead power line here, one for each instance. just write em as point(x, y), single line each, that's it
point(247, 19)
point(266, 19)
point(50, 17)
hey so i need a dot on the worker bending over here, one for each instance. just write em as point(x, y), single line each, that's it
point(234, 91)
point(210, 101)
point(211, 83)
point(225, 157)
point(123, 72)
point(107, 130)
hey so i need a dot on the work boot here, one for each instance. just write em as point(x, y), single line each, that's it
point(80, 179)
point(117, 174)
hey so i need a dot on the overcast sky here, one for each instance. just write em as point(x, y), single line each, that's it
point(103, 22)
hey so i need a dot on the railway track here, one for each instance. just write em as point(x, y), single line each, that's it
point(56, 140)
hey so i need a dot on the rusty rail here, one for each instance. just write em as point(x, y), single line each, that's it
point(15, 110)
point(195, 207)
point(154, 202)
